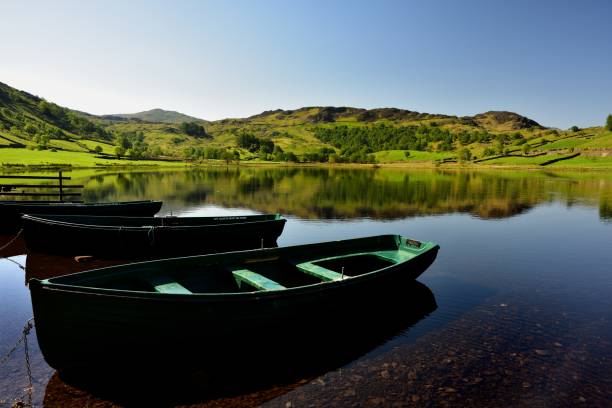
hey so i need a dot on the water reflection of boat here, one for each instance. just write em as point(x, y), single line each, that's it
point(122, 316)
point(10, 211)
point(159, 236)
point(248, 371)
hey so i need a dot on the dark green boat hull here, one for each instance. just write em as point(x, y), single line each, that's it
point(80, 327)
point(157, 237)
point(11, 211)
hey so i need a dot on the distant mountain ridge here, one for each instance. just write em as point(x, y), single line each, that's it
point(491, 120)
point(156, 115)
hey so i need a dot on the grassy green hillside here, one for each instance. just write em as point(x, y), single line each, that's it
point(310, 134)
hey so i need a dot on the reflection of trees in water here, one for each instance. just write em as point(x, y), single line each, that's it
point(371, 196)
point(350, 193)
point(605, 207)
point(255, 185)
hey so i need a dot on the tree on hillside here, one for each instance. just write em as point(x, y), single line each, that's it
point(228, 156)
point(609, 122)
point(42, 141)
point(98, 149)
point(248, 141)
point(499, 147)
point(465, 154)
point(194, 129)
point(488, 152)
point(30, 129)
point(526, 149)
point(574, 128)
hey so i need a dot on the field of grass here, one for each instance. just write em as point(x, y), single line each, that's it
point(18, 139)
point(91, 144)
point(523, 160)
point(602, 141)
point(387, 156)
point(66, 145)
point(78, 159)
point(585, 162)
point(567, 143)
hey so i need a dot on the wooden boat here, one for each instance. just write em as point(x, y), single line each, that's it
point(11, 211)
point(232, 370)
point(170, 313)
point(149, 236)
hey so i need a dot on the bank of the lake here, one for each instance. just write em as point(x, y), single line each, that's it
point(31, 160)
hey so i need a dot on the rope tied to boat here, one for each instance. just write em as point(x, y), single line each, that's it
point(25, 400)
point(8, 244)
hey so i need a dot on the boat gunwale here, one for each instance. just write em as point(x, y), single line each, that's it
point(73, 204)
point(39, 218)
point(47, 284)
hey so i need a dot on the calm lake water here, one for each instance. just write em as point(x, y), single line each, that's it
point(516, 310)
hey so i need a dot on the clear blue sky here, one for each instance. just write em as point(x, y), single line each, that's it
point(549, 60)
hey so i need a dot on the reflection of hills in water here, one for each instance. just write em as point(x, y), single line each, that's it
point(354, 193)
point(252, 371)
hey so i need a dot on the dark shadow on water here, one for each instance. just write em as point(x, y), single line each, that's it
point(45, 266)
point(252, 370)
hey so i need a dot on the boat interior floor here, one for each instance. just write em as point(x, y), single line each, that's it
point(261, 274)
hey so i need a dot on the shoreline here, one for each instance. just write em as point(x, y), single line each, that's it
point(16, 168)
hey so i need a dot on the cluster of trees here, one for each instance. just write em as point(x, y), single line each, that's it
point(327, 155)
point(609, 122)
point(254, 144)
point(265, 148)
point(199, 153)
point(132, 145)
point(363, 140)
point(194, 129)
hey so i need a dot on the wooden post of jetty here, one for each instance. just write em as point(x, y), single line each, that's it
point(61, 187)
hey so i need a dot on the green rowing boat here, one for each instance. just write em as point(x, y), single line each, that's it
point(157, 237)
point(11, 211)
point(165, 313)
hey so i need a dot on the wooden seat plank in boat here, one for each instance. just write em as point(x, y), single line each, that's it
point(317, 271)
point(394, 256)
point(256, 280)
point(328, 275)
point(165, 284)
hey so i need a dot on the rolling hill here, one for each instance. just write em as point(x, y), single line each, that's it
point(153, 116)
point(30, 125)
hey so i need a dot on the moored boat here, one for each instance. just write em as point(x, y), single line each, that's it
point(285, 357)
point(149, 236)
point(124, 317)
point(11, 211)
